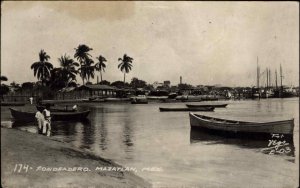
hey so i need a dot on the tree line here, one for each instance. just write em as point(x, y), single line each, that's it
point(65, 75)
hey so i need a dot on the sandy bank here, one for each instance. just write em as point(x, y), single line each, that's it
point(63, 163)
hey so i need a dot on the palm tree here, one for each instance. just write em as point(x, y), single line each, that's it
point(87, 70)
point(100, 66)
point(125, 65)
point(42, 68)
point(82, 55)
point(67, 70)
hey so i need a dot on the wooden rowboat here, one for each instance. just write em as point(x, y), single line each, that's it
point(186, 109)
point(12, 103)
point(55, 116)
point(139, 102)
point(218, 124)
point(41, 108)
point(206, 105)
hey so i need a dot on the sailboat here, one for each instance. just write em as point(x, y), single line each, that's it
point(256, 91)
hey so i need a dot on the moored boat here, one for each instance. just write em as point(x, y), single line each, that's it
point(139, 102)
point(55, 116)
point(206, 105)
point(12, 103)
point(218, 124)
point(140, 99)
point(116, 99)
point(186, 109)
point(52, 109)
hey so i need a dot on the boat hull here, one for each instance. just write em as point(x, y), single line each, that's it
point(186, 109)
point(280, 127)
point(12, 103)
point(139, 102)
point(55, 116)
point(41, 108)
point(206, 105)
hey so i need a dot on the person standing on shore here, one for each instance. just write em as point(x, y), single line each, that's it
point(31, 100)
point(74, 108)
point(47, 121)
point(40, 120)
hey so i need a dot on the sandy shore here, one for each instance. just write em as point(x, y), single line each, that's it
point(67, 167)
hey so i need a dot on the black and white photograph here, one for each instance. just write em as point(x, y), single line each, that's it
point(158, 94)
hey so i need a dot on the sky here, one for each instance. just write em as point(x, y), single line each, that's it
point(206, 43)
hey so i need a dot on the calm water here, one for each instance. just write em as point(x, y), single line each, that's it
point(140, 136)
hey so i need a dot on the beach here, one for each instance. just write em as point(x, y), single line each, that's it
point(33, 160)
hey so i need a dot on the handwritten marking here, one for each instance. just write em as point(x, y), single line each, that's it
point(19, 168)
point(278, 146)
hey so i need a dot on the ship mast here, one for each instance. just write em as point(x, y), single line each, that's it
point(270, 83)
point(267, 78)
point(276, 78)
point(257, 74)
point(281, 76)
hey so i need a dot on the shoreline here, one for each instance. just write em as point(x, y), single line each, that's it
point(33, 160)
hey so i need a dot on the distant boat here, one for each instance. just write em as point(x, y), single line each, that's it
point(206, 105)
point(218, 124)
point(116, 99)
point(191, 100)
point(55, 116)
point(140, 99)
point(169, 101)
point(93, 100)
point(186, 109)
point(12, 103)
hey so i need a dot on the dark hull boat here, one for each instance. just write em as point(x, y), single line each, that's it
point(12, 103)
point(41, 108)
point(139, 102)
point(281, 127)
point(206, 105)
point(186, 109)
point(191, 100)
point(55, 116)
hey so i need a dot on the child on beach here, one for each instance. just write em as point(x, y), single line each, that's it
point(47, 121)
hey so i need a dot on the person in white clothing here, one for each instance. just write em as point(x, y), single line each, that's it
point(74, 107)
point(47, 121)
point(31, 100)
point(40, 120)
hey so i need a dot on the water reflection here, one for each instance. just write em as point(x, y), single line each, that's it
point(262, 143)
point(100, 122)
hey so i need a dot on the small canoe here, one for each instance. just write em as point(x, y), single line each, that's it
point(116, 99)
point(186, 109)
point(52, 109)
point(170, 101)
point(139, 102)
point(55, 116)
point(12, 103)
point(206, 105)
point(218, 124)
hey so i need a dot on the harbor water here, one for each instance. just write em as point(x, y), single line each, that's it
point(165, 151)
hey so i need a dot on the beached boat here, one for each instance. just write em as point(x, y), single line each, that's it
point(52, 109)
point(218, 124)
point(12, 103)
point(55, 116)
point(206, 105)
point(186, 109)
